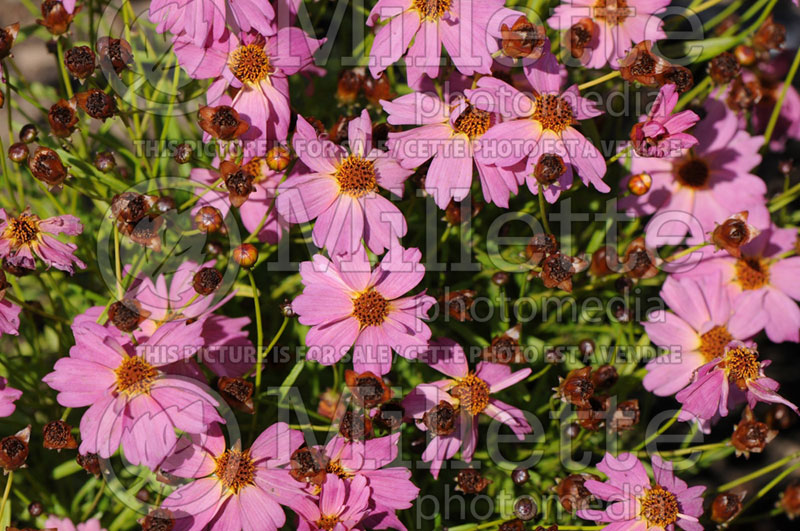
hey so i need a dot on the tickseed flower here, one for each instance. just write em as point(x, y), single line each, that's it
point(342, 506)
point(661, 133)
point(9, 324)
point(65, 524)
point(636, 502)
point(27, 236)
point(8, 395)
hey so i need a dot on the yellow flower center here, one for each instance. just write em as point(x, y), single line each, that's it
point(22, 230)
point(659, 507)
point(356, 176)
point(250, 63)
point(431, 9)
point(712, 343)
point(472, 122)
point(472, 393)
point(612, 11)
point(328, 522)
point(752, 272)
point(553, 112)
point(335, 467)
point(370, 308)
point(741, 365)
point(134, 376)
point(235, 469)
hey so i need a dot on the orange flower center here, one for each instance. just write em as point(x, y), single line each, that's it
point(742, 365)
point(370, 308)
point(235, 469)
point(250, 63)
point(432, 9)
point(752, 272)
point(693, 173)
point(659, 507)
point(22, 230)
point(472, 393)
point(328, 522)
point(335, 467)
point(712, 343)
point(612, 11)
point(356, 176)
point(472, 122)
point(134, 376)
point(553, 112)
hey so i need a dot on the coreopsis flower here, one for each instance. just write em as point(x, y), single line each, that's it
point(703, 185)
point(63, 118)
point(26, 237)
point(342, 506)
point(80, 61)
point(133, 402)
point(65, 524)
point(661, 133)
point(9, 318)
point(449, 409)
point(366, 309)
point(762, 279)
point(615, 26)
point(8, 35)
point(539, 127)
point(450, 135)
point(222, 122)
point(255, 64)
point(703, 323)
point(637, 502)
point(8, 395)
point(14, 450)
point(341, 190)
point(57, 15)
point(114, 54)
point(468, 30)
point(234, 488)
point(46, 166)
point(733, 233)
point(710, 390)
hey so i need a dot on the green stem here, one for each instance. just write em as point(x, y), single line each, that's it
point(758, 473)
point(620, 154)
point(597, 81)
point(768, 487)
point(661, 430)
point(543, 210)
point(96, 500)
point(5, 494)
point(685, 252)
point(773, 119)
point(689, 450)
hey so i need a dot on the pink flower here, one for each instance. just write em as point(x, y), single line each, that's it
point(342, 506)
point(258, 67)
point(341, 190)
point(451, 134)
point(637, 503)
point(468, 30)
point(761, 279)
point(661, 133)
point(703, 322)
point(710, 391)
point(364, 308)
point(538, 129)
point(616, 25)
point(27, 235)
point(703, 186)
point(8, 395)
point(131, 400)
point(65, 524)
point(9, 312)
point(449, 409)
point(234, 488)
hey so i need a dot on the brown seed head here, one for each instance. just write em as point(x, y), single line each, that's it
point(725, 506)
point(96, 104)
point(46, 166)
point(523, 39)
point(80, 61)
point(14, 450)
point(57, 435)
point(470, 481)
point(62, 117)
point(115, 54)
point(206, 281)
point(222, 122)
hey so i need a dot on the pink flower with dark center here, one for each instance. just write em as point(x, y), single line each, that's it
point(703, 322)
point(710, 392)
point(65, 524)
point(538, 130)
point(449, 409)
point(698, 188)
point(341, 190)
point(26, 236)
point(614, 26)
point(342, 506)
point(132, 401)
point(638, 503)
point(661, 133)
point(364, 308)
point(8, 395)
point(762, 279)
point(450, 134)
point(234, 488)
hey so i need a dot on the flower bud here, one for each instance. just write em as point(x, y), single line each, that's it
point(126, 315)
point(525, 508)
point(459, 303)
point(131, 207)
point(35, 508)
point(28, 133)
point(7, 36)
point(245, 255)
point(745, 55)
point(604, 261)
point(626, 416)
point(55, 17)
point(742, 95)
point(96, 104)
point(18, 152)
point(725, 506)
point(540, 246)
point(57, 435)
point(183, 154)
point(164, 204)
point(640, 184)
point(208, 219)
point(206, 281)
point(724, 68)
point(558, 269)
point(604, 377)
point(639, 261)
point(308, 465)
point(505, 348)
point(512, 525)
point(377, 89)
point(46, 166)
point(62, 117)
point(790, 501)
point(221, 122)
point(80, 61)
point(158, 519)
point(14, 450)
point(470, 481)
point(105, 162)
point(520, 476)
point(578, 37)
point(770, 36)
point(237, 392)
point(115, 54)
point(278, 158)
point(680, 76)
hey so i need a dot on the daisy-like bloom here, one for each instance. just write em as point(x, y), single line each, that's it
point(342, 506)
point(661, 133)
point(364, 308)
point(710, 391)
point(258, 67)
point(762, 279)
point(234, 488)
point(9, 312)
point(449, 408)
point(341, 189)
point(704, 185)
point(539, 130)
point(132, 401)
point(637, 503)
point(65, 524)
point(27, 235)
point(606, 29)
point(468, 29)
point(450, 134)
point(8, 395)
point(703, 323)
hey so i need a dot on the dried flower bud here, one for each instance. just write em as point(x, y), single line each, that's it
point(458, 303)
point(55, 17)
point(104, 161)
point(115, 54)
point(770, 36)
point(640, 183)
point(355, 426)
point(604, 377)
point(520, 476)
point(221, 122)
point(14, 450)
point(278, 158)
point(470, 481)
point(780, 417)
point(63, 118)
point(578, 37)
point(57, 435)
point(208, 219)
point(725, 506)
point(786, 166)
point(183, 153)
point(745, 55)
point(724, 68)
point(454, 212)
point(525, 508)
point(90, 463)
point(572, 494)
point(549, 169)
point(80, 61)
point(7, 36)
point(751, 435)
point(158, 520)
point(164, 204)
point(238, 181)
point(626, 416)
point(587, 347)
point(330, 405)
point(206, 281)
point(144, 232)
point(96, 104)
point(572, 430)
point(46, 166)
point(790, 501)
point(237, 392)
point(523, 39)
point(308, 465)
point(742, 95)
point(18, 152)
point(441, 419)
point(287, 310)
point(540, 246)
point(558, 268)
point(733, 233)
point(639, 261)
point(500, 278)
point(505, 348)
point(642, 65)
point(604, 262)
point(130, 207)
point(512, 525)
point(28, 133)
point(377, 89)
point(35, 508)
point(349, 85)
point(245, 255)
point(680, 76)
point(577, 387)
point(622, 313)
point(390, 416)
point(126, 315)
point(553, 356)
point(593, 416)
point(368, 389)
